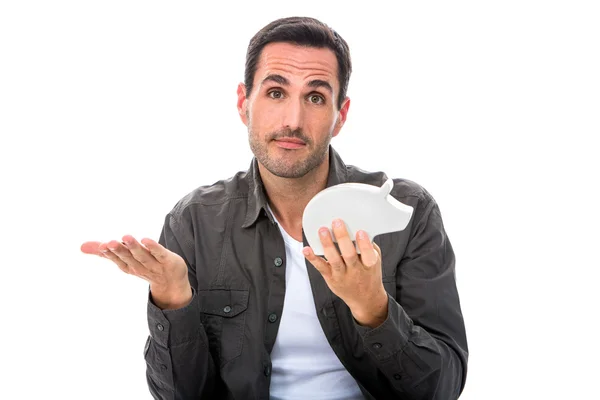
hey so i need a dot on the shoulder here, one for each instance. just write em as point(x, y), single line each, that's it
point(216, 195)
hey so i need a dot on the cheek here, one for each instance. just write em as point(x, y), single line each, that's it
point(261, 118)
point(320, 121)
point(257, 124)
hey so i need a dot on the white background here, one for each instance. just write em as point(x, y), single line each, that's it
point(111, 111)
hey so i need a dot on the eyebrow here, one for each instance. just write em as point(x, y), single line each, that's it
point(283, 81)
point(318, 83)
point(277, 79)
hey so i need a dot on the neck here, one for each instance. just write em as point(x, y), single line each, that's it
point(289, 196)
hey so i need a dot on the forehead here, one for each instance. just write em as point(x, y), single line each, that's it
point(297, 62)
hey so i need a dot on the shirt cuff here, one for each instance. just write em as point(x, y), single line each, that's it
point(174, 327)
point(391, 336)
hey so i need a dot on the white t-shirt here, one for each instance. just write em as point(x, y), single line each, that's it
point(304, 364)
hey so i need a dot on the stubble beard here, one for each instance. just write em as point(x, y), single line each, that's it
point(282, 167)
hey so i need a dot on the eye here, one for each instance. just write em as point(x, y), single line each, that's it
point(275, 94)
point(316, 99)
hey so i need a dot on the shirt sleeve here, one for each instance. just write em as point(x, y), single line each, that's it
point(178, 362)
point(421, 347)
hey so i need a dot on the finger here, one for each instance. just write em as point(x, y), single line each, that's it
point(106, 253)
point(90, 248)
point(331, 253)
point(125, 255)
point(377, 249)
point(369, 256)
point(318, 262)
point(160, 253)
point(345, 243)
point(139, 252)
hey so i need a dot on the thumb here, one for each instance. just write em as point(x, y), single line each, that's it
point(319, 263)
point(156, 249)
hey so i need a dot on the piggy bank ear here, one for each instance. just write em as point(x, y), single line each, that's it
point(386, 188)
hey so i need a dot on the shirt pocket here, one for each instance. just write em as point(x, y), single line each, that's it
point(224, 318)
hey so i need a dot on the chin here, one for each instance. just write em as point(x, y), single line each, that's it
point(289, 174)
point(282, 169)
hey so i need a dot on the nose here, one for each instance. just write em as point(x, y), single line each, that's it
point(293, 114)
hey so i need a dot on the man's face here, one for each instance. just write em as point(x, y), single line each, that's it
point(292, 112)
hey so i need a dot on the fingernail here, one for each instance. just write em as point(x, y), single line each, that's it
point(337, 223)
point(324, 232)
point(362, 235)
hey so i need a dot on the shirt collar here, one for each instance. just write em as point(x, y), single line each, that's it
point(257, 199)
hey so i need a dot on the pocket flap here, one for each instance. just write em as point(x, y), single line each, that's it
point(223, 302)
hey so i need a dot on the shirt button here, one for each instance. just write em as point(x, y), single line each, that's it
point(278, 261)
point(267, 370)
point(227, 309)
point(163, 367)
point(272, 317)
point(160, 327)
point(376, 346)
point(397, 377)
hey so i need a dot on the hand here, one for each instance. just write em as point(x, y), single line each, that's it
point(166, 271)
point(356, 279)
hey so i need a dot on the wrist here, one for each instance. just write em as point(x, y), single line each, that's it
point(171, 298)
point(372, 313)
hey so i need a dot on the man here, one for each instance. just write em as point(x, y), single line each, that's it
point(239, 307)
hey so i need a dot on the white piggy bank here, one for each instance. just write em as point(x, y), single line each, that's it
point(360, 206)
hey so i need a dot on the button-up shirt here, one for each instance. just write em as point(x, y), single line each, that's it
point(219, 345)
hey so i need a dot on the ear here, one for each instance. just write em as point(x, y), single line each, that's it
point(342, 114)
point(242, 103)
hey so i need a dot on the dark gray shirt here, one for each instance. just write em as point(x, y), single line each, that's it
point(218, 347)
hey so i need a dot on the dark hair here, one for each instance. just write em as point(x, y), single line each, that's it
point(303, 31)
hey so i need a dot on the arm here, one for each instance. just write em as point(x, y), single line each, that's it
point(421, 347)
point(178, 362)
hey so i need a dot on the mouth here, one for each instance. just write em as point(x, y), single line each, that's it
point(290, 140)
point(290, 143)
